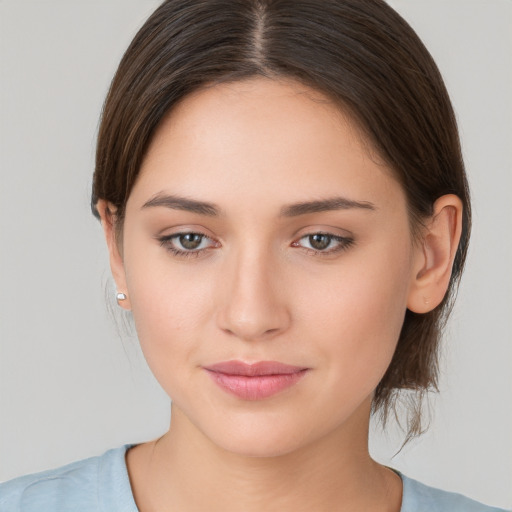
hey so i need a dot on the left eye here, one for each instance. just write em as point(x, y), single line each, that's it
point(323, 242)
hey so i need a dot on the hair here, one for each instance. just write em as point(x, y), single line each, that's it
point(360, 54)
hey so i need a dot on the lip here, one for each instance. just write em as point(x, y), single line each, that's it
point(255, 381)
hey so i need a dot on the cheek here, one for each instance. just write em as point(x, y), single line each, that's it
point(357, 318)
point(170, 308)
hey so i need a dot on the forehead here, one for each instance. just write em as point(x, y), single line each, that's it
point(262, 138)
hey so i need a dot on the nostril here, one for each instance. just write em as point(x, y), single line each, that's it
point(261, 325)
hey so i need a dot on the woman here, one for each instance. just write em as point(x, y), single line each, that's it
point(287, 215)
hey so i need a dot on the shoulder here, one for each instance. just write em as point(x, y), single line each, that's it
point(418, 497)
point(97, 483)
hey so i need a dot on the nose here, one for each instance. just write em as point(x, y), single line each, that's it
point(253, 305)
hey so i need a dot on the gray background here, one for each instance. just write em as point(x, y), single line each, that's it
point(70, 387)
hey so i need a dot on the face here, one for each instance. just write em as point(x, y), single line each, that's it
point(268, 260)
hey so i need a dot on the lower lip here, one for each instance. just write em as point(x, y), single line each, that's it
point(255, 387)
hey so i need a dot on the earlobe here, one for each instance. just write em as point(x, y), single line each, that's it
point(108, 220)
point(435, 254)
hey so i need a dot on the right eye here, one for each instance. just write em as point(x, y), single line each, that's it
point(187, 244)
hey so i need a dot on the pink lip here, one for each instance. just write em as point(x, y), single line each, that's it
point(254, 381)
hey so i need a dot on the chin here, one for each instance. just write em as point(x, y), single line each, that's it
point(262, 445)
point(254, 434)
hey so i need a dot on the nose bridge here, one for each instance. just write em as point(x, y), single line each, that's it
point(252, 306)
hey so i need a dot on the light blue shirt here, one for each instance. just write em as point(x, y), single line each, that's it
point(101, 484)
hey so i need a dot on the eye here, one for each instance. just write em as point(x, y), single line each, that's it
point(190, 241)
point(325, 243)
point(187, 244)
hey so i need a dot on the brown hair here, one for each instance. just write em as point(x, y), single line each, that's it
point(361, 54)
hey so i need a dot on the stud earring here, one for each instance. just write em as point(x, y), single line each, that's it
point(120, 297)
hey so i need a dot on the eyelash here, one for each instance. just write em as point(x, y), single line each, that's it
point(167, 242)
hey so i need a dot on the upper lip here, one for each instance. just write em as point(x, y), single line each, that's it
point(257, 369)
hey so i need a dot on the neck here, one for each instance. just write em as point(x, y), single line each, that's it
point(184, 470)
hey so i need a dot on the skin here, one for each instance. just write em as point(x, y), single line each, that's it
point(256, 291)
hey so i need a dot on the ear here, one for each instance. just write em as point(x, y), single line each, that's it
point(435, 254)
point(107, 214)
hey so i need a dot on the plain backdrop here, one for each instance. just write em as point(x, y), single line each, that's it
point(71, 386)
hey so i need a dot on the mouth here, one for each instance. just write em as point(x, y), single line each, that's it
point(255, 381)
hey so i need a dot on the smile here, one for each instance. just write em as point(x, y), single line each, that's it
point(255, 381)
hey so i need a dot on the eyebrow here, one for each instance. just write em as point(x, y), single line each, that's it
point(293, 210)
point(183, 203)
point(324, 205)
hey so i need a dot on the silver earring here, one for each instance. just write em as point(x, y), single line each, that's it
point(120, 297)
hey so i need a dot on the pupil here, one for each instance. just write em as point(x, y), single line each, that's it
point(191, 240)
point(319, 242)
